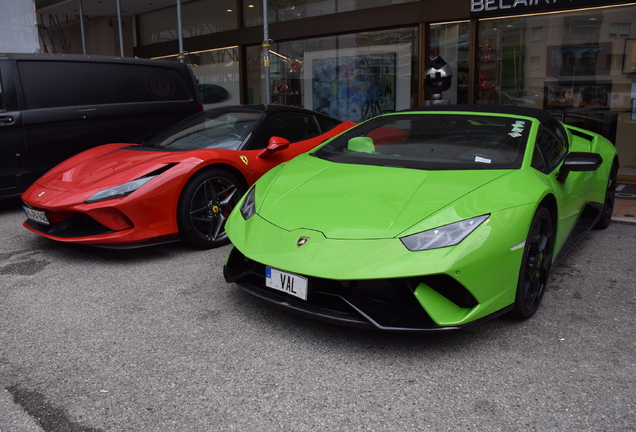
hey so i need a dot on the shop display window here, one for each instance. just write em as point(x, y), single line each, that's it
point(571, 60)
point(580, 62)
point(350, 77)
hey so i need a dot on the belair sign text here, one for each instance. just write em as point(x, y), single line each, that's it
point(499, 7)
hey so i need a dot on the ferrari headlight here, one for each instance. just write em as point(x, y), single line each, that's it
point(118, 191)
point(248, 208)
point(447, 235)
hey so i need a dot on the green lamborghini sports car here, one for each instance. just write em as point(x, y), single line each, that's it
point(423, 220)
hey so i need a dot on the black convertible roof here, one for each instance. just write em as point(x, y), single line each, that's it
point(539, 114)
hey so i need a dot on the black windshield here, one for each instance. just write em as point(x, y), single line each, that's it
point(433, 141)
point(210, 129)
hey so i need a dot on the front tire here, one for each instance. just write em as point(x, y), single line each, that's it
point(205, 204)
point(610, 197)
point(535, 265)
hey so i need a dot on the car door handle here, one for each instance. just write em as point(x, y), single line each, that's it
point(6, 120)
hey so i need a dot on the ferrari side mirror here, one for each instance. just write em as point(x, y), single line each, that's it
point(579, 161)
point(275, 144)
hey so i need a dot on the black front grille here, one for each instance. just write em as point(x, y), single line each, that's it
point(78, 225)
point(449, 288)
point(384, 303)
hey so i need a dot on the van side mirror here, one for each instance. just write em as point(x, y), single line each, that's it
point(579, 161)
point(275, 144)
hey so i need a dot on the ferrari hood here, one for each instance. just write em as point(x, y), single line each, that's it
point(108, 166)
point(362, 202)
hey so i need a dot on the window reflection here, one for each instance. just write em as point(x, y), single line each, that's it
point(578, 62)
point(556, 61)
point(217, 74)
point(287, 10)
point(350, 77)
point(198, 18)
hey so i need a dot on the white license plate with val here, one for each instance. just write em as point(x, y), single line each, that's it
point(36, 215)
point(289, 283)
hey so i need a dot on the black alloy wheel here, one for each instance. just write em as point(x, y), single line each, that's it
point(205, 204)
point(610, 197)
point(535, 265)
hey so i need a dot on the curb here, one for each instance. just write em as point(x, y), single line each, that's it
point(631, 220)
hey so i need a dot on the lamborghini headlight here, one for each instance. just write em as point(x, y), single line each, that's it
point(248, 208)
point(118, 191)
point(447, 235)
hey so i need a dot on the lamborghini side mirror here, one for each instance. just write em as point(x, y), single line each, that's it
point(579, 161)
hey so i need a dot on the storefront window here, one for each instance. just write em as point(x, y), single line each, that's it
point(217, 74)
point(582, 61)
point(197, 18)
point(451, 42)
point(509, 60)
point(350, 77)
point(286, 10)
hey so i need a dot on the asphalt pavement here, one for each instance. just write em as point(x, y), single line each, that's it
point(155, 340)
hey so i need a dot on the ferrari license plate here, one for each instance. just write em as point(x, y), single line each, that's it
point(36, 215)
point(289, 283)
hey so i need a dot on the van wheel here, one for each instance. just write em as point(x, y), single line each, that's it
point(205, 204)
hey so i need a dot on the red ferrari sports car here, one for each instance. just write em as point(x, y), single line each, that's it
point(181, 185)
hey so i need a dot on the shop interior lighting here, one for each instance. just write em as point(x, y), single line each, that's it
point(194, 52)
point(287, 59)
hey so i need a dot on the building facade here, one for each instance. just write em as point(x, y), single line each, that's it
point(354, 59)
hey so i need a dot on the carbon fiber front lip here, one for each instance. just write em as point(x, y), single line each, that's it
point(61, 229)
point(355, 319)
point(289, 303)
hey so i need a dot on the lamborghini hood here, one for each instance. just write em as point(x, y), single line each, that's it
point(361, 202)
point(107, 166)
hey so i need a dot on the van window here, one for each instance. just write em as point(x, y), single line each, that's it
point(65, 83)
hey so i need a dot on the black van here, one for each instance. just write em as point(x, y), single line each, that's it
point(53, 106)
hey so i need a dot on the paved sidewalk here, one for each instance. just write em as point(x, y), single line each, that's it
point(625, 205)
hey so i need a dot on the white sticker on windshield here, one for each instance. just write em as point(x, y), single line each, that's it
point(481, 159)
point(514, 134)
